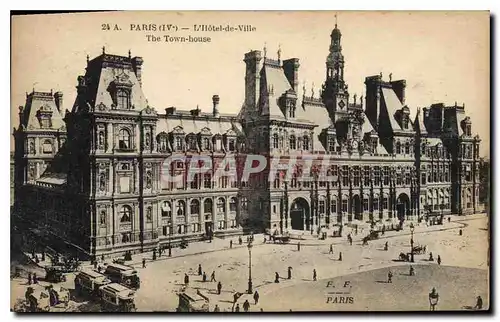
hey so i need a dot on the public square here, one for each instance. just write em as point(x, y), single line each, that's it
point(461, 277)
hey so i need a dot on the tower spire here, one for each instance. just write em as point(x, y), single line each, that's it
point(335, 20)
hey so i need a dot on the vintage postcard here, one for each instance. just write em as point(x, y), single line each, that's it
point(250, 161)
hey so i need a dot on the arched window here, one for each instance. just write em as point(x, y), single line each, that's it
point(275, 141)
point(208, 206)
point(181, 208)
point(233, 202)
point(407, 148)
point(47, 147)
point(305, 143)
point(123, 99)
point(195, 207)
point(149, 214)
point(293, 142)
point(124, 139)
point(205, 142)
point(221, 205)
point(166, 209)
point(125, 214)
point(322, 205)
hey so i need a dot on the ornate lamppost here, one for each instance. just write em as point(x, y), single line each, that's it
point(250, 291)
point(433, 299)
point(412, 228)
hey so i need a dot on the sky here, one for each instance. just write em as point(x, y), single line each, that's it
point(444, 56)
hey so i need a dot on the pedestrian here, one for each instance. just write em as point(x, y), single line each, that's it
point(204, 277)
point(431, 259)
point(237, 309)
point(460, 232)
point(154, 254)
point(261, 309)
point(219, 287)
point(102, 258)
point(246, 306)
point(265, 240)
point(36, 259)
point(256, 297)
point(231, 244)
point(289, 272)
point(298, 246)
point(200, 271)
point(35, 280)
point(386, 247)
point(169, 251)
point(212, 277)
point(43, 256)
point(412, 271)
point(143, 263)
point(479, 303)
point(159, 252)
point(314, 274)
point(439, 260)
point(240, 241)
point(29, 278)
point(276, 277)
point(186, 279)
point(340, 256)
point(331, 249)
point(449, 219)
point(389, 277)
point(216, 308)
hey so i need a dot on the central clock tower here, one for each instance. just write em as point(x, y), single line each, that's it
point(335, 93)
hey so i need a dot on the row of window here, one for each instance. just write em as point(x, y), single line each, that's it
point(166, 209)
point(301, 143)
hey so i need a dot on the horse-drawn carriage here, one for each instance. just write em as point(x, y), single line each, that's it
point(419, 249)
point(405, 257)
point(282, 239)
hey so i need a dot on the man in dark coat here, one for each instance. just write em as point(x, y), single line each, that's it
point(276, 277)
point(143, 263)
point(331, 249)
point(340, 256)
point(212, 277)
point(237, 309)
point(219, 287)
point(204, 277)
point(246, 306)
point(298, 246)
point(479, 303)
point(240, 241)
point(439, 260)
point(230, 244)
point(289, 272)
point(256, 297)
point(389, 277)
point(314, 275)
point(200, 271)
point(186, 279)
point(29, 278)
point(216, 308)
point(35, 280)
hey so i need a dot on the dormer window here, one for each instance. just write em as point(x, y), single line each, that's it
point(191, 141)
point(205, 143)
point(122, 99)
point(305, 143)
point(405, 123)
point(398, 147)
point(275, 141)
point(178, 143)
point(232, 145)
point(331, 144)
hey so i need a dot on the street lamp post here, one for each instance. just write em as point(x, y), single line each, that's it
point(250, 291)
point(412, 228)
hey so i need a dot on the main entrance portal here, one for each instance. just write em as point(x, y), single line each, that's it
point(403, 206)
point(300, 214)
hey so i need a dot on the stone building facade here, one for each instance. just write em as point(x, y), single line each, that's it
point(94, 175)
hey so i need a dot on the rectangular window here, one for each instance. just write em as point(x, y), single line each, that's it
point(331, 144)
point(344, 205)
point(232, 145)
point(408, 178)
point(386, 176)
point(334, 205)
point(335, 174)
point(376, 176)
point(125, 184)
point(322, 206)
point(423, 176)
point(345, 175)
point(207, 181)
point(366, 176)
point(365, 204)
point(375, 203)
point(356, 176)
point(385, 204)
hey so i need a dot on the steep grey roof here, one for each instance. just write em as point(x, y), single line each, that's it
point(392, 104)
point(195, 124)
point(41, 101)
point(276, 84)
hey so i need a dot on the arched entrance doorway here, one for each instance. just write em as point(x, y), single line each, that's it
point(403, 206)
point(356, 207)
point(299, 214)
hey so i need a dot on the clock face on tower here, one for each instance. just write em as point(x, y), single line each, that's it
point(341, 104)
point(355, 144)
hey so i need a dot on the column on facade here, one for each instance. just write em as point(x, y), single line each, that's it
point(109, 138)
point(187, 215)
point(173, 228)
point(137, 137)
point(215, 224)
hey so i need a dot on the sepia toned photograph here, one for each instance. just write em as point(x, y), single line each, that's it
point(250, 161)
